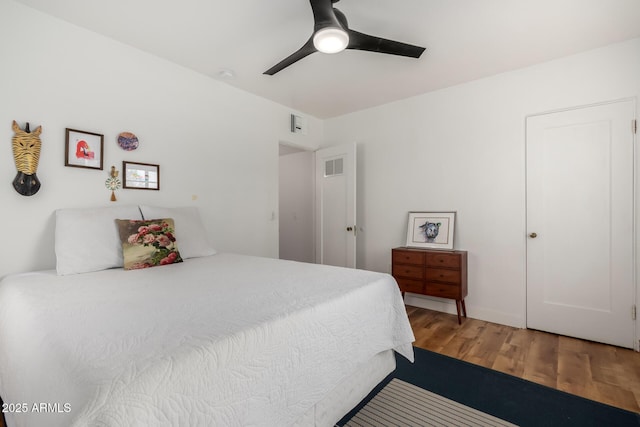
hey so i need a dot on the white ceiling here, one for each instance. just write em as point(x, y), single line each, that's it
point(465, 40)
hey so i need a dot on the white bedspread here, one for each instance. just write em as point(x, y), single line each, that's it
point(225, 340)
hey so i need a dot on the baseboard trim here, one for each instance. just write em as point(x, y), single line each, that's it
point(449, 306)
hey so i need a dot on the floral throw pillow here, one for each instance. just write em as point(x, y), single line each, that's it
point(148, 243)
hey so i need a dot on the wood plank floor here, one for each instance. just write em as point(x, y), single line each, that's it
point(596, 371)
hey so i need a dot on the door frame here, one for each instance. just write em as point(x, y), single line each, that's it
point(635, 203)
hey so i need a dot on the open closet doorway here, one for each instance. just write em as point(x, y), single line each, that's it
point(296, 204)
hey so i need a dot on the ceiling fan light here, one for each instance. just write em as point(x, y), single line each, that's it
point(331, 40)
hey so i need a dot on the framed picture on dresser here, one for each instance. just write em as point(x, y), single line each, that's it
point(431, 230)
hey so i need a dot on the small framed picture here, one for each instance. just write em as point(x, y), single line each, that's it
point(431, 230)
point(141, 176)
point(83, 149)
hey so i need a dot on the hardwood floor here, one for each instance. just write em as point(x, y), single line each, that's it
point(596, 371)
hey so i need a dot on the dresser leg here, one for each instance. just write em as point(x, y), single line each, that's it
point(464, 309)
point(458, 309)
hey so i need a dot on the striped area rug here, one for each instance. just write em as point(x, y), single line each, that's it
point(402, 404)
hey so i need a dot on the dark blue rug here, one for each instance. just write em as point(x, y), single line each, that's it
point(504, 396)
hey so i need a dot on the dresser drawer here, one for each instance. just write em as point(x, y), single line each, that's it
point(408, 271)
point(444, 259)
point(443, 290)
point(407, 257)
point(443, 275)
point(413, 286)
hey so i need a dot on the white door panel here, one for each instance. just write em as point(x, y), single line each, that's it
point(580, 204)
point(336, 206)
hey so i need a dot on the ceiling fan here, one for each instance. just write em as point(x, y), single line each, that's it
point(331, 34)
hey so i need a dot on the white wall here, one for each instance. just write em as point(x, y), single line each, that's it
point(214, 143)
point(463, 149)
point(460, 148)
point(296, 206)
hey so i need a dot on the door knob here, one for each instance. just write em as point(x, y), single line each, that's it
point(533, 235)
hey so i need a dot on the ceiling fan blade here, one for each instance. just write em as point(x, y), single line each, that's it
point(361, 41)
point(324, 15)
point(303, 52)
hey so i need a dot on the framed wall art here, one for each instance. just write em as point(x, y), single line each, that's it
point(141, 176)
point(83, 149)
point(432, 230)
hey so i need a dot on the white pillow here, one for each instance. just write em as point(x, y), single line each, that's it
point(189, 229)
point(88, 240)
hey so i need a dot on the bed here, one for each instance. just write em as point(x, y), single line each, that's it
point(217, 339)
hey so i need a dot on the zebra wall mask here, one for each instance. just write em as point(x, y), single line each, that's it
point(26, 154)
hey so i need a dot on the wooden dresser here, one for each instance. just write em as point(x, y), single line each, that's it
point(436, 273)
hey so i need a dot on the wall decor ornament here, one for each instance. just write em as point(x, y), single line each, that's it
point(141, 176)
point(431, 230)
point(113, 183)
point(128, 141)
point(26, 154)
point(83, 149)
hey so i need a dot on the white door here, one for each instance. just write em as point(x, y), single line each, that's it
point(336, 206)
point(580, 223)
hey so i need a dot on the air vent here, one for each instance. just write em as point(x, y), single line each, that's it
point(334, 167)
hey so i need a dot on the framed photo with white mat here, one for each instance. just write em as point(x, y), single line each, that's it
point(433, 230)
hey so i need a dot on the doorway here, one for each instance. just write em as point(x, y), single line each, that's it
point(580, 223)
point(317, 205)
point(296, 204)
